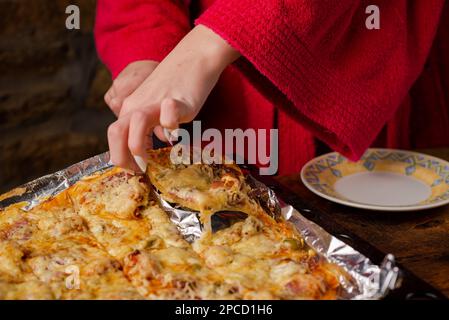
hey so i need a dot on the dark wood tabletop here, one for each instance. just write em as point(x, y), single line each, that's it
point(419, 240)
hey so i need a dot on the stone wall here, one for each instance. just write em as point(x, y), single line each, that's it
point(52, 112)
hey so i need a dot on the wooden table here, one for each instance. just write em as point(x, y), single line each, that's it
point(419, 240)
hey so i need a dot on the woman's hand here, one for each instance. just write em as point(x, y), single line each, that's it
point(126, 82)
point(172, 94)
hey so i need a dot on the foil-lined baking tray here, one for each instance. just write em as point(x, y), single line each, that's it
point(367, 280)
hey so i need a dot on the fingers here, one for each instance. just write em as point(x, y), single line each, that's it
point(118, 145)
point(130, 135)
point(112, 101)
point(121, 88)
point(140, 128)
point(127, 82)
point(159, 132)
point(107, 96)
point(173, 112)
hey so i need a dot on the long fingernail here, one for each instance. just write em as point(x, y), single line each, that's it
point(141, 163)
point(171, 135)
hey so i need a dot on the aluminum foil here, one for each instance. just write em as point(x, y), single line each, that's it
point(36, 191)
point(366, 281)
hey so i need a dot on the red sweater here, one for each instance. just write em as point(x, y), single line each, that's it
point(309, 68)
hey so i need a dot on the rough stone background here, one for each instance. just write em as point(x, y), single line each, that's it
point(52, 112)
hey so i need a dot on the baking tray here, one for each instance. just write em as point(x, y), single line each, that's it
point(411, 288)
point(375, 273)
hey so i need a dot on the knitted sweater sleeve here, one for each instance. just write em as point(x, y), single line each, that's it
point(343, 81)
point(131, 30)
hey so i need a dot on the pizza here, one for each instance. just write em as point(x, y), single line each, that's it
point(207, 188)
point(49, 253)
point(108, 237)
point(111, 205)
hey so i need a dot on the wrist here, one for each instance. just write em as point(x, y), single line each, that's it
point(212, 48)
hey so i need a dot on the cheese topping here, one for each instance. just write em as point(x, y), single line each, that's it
point(122, 245)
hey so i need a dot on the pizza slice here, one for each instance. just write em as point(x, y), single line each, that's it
point(18, 230)
point(169, 268)
point(48, 247)
point(155, 257)
point(259, 257)
point(17, 282)
point(76, 267)
point(207, 188)
point(111, 203)
point(31, 289)
point(48, 221)
point(267, 259)
point(132, 227)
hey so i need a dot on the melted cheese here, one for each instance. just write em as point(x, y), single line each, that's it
point(112, 206)
point(259, 265)
point(199, 187)
point(116, 192)
point(126, 247)
point(32, 289)
point(16, 279)
point(99, 275)
point(168, 268)
point(118, 236)
point(11, 264)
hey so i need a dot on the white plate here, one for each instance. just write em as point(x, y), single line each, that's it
point(383, 179)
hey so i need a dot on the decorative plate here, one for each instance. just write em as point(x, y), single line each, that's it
point(383, 179)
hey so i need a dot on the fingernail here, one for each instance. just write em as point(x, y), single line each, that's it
point(174, 134)
point(141, 163)
point(171, 135)
point(167, 135)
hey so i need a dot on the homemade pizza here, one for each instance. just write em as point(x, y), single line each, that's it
point(108, 237)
